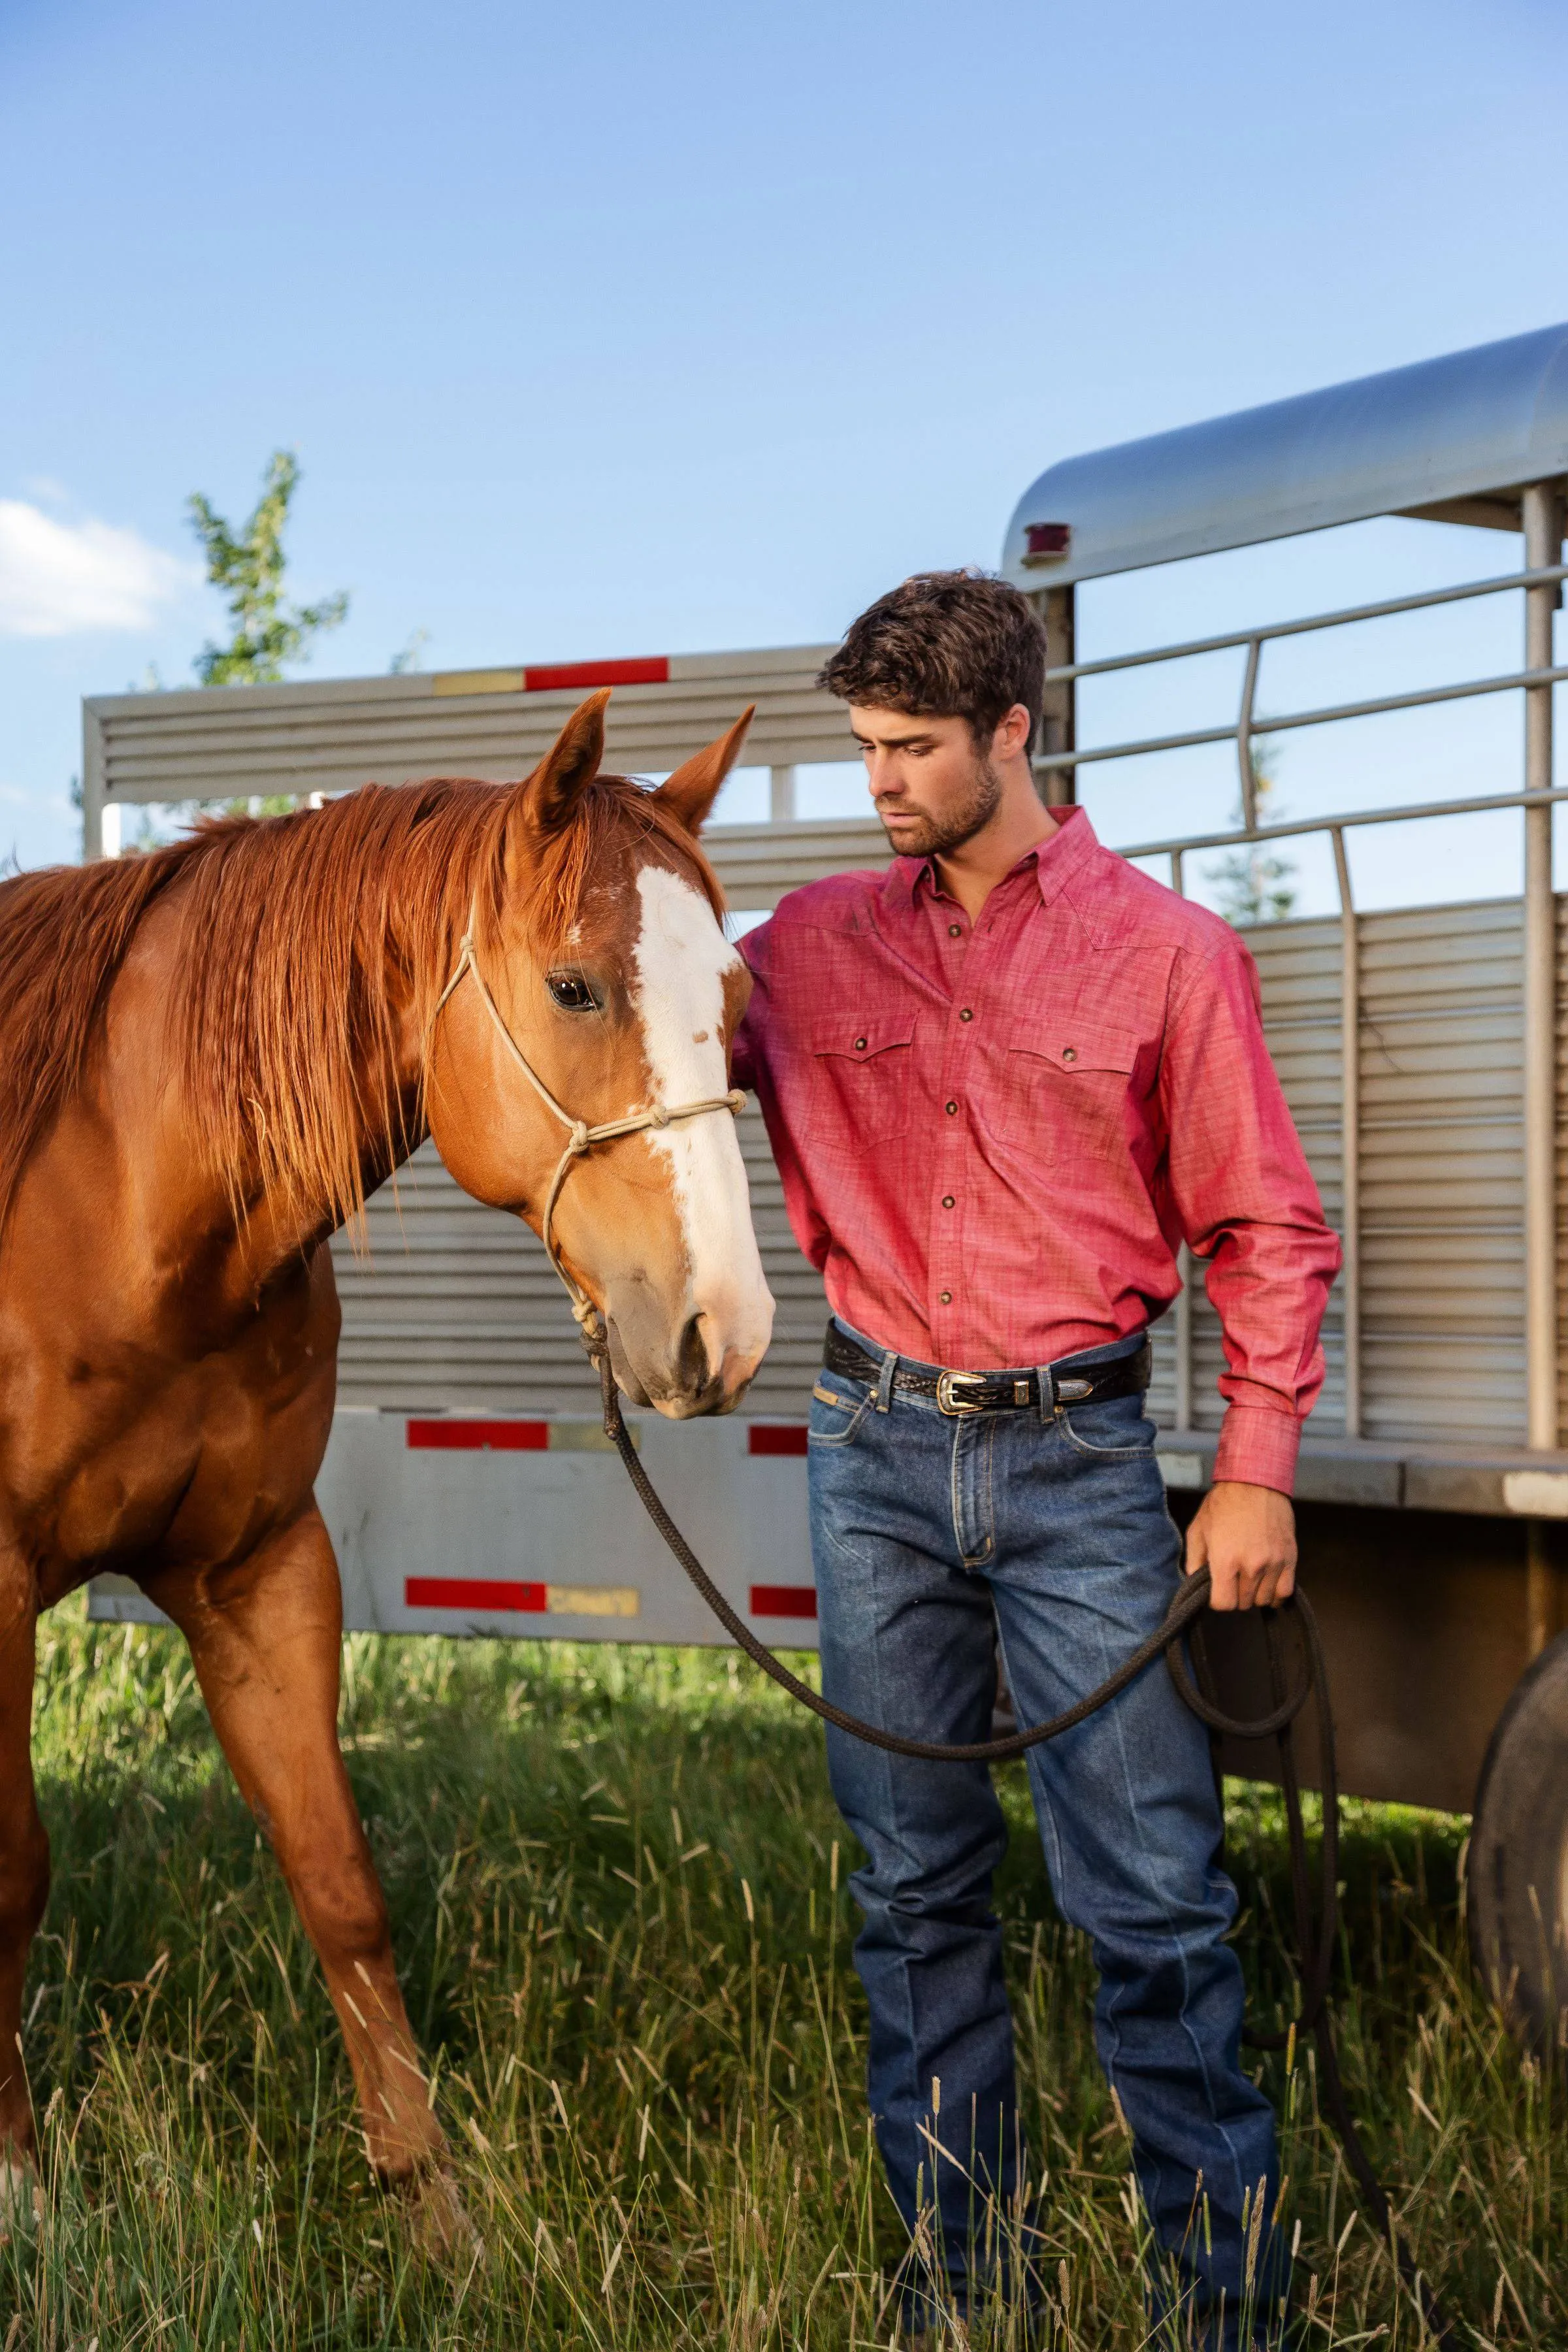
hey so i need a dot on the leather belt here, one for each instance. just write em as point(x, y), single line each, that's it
point(962, 1392)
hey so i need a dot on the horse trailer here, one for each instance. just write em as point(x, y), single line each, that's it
point(1423, 1049)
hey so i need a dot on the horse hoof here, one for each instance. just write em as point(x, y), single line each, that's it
point(438, 2220)
point(21, 2199)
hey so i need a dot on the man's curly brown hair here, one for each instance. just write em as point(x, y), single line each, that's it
point(945, 645)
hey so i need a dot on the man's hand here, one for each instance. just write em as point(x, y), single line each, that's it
point(1245, 1538)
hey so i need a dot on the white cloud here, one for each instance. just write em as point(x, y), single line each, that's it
point(58, 578)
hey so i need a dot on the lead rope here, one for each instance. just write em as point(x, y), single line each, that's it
point(1316, 1952)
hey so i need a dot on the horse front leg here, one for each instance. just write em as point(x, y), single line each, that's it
point(265, 1638)
point(24, 1879)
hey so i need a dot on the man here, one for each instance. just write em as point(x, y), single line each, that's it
point(1004, 1082)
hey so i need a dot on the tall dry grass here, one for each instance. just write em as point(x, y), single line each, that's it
point(621, 1917)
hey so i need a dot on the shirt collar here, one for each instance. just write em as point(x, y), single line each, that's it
point(1055, 861)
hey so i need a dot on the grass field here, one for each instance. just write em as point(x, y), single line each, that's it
point(621, 1917)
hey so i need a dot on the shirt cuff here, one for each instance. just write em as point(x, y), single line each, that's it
point(1259, 1448)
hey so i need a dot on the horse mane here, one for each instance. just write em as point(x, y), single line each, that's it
point(292, 930)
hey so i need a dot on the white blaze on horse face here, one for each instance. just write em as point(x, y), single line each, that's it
point(680, 961)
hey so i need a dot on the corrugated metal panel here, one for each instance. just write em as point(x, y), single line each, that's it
point(331, 736)
point(1442, 1185)
point(1442, 1192)
point(758, 863)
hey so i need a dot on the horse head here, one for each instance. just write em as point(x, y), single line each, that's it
point(603, 990)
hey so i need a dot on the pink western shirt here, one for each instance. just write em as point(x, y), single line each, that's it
point(994, 1136)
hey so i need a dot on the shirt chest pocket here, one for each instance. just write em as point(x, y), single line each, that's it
point(860, 1077)
point(1064, 1088)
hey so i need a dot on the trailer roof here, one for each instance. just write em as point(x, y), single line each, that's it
point(1451, 439)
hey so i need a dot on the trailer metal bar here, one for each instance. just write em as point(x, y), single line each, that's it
point(1542, 546)
point(1535, 577)
point(1244, 727)
point(1186, 1267)
point(1181, 844)
point(1350, 1133)
point(1283, 722)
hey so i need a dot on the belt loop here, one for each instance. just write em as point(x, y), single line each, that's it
point(885, 1381)
point(1043, 1374)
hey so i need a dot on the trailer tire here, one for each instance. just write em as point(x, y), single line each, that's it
point(1517, 1872)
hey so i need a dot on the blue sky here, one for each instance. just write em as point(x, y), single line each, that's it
point(641, 330)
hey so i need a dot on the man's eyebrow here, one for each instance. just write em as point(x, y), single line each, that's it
point(897, 743)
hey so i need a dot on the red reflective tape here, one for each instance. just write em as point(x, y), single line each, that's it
point(653, 670)
point(761, 1439)
point(784, 1600)
point(479, 1436)
point(474, 1592)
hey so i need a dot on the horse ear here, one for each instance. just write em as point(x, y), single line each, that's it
point(549, 796)
point(691, 791)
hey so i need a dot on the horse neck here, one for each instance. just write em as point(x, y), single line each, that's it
point(317, 1044)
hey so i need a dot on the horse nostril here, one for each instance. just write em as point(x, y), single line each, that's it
point(692, 1365)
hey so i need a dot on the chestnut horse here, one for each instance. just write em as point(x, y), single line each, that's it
point(211, 1053)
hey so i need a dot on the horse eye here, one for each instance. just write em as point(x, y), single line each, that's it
point(572, 991)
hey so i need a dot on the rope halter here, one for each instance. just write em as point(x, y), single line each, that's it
point(581, 1138)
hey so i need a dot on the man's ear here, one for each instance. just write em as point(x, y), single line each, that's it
point(690, 792)
point(548, 797)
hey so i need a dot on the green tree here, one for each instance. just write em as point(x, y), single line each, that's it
point(248, 566)
point(1256, 884)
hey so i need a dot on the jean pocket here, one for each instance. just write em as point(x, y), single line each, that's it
point(837, 1409)
point(1114, 1425)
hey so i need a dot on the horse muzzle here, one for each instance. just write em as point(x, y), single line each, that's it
point(704, 1367)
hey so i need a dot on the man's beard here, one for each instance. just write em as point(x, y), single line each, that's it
point(934, 836)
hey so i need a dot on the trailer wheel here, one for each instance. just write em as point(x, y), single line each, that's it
point(1517, 1876)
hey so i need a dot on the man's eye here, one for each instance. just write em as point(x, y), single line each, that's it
point(572, 993)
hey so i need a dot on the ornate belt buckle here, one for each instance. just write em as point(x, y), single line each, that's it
point(947, 1395)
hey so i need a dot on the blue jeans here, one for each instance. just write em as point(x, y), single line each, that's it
point(932, 1534)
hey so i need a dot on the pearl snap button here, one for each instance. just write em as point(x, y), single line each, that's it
point(860, 1047)
point(967, 1013)
point(1070, 1053)
point(947, 1200)
point(947, 1298)
point(952, 1110)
